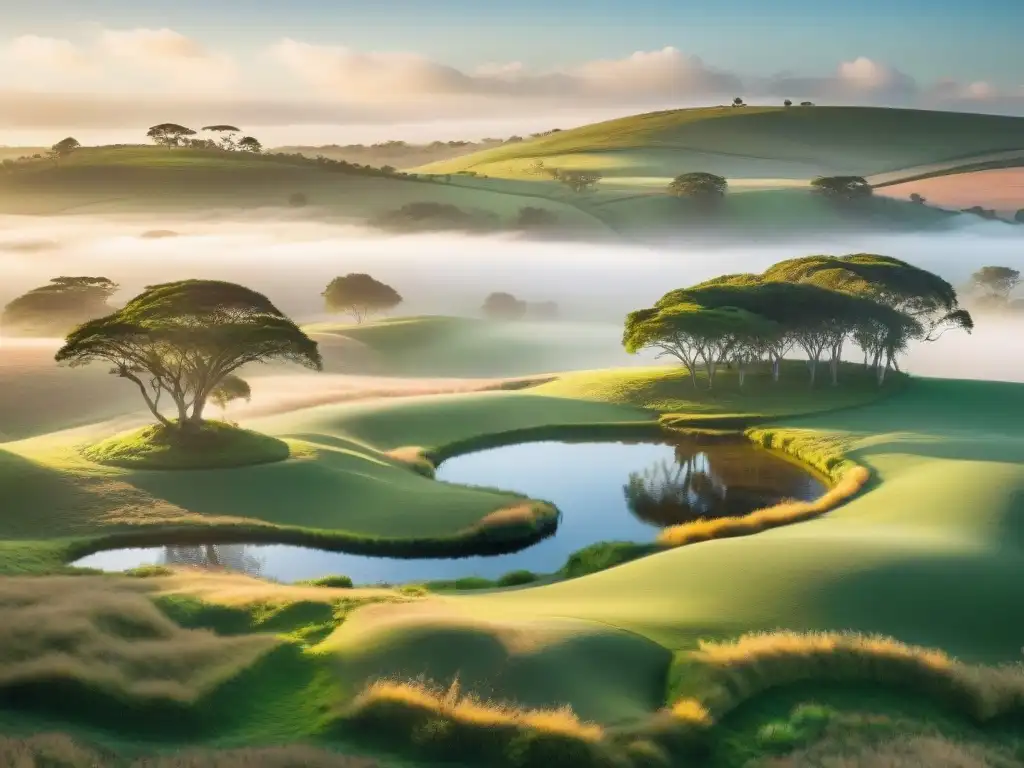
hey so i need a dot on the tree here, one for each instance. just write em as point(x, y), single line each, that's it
point(503, 306)
point(691, 333)
point(63, 148)
point(1019, 216)
point(226, 133)
point(705, 187)
point(249, 144)
point(359, 295)
point(577, 181)
point(230, 388)
point(738, 102)
point(170, 135)
point(183, 339)
point(531, 217)
point(787, 103)
point(917, 199)
point(60, 305)
point(806, 103)
point(843, 187)
point(997, 282)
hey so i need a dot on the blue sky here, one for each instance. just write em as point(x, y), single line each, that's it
point(925, 53)
point(925, 38)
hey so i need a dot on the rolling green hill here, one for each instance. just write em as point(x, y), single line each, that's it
point(754, 142)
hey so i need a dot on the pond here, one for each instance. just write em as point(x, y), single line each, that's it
point(606, 491)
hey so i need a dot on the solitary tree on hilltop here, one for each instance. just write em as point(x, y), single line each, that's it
point(183, 339)
point(806, 103)
point(360, 295)
point(787, 103)
point(226, 134)
point(738, 102)
point(917, 199)
point(706, 187)
point(170, 135)
point(63, 148)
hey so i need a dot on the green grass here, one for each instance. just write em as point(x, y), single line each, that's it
point(215, 445)
point(765, 142)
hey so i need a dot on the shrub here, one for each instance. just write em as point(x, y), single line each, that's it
point(149, 571)
point(515, 578)
point(338, 581)
point(601, 556)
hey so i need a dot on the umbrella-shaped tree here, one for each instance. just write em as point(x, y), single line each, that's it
point(225, 134)
point(183, 339)
point(360, 295)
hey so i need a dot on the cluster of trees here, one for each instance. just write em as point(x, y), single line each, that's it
point(577, 181)
point(814, 304)
point(504, 306)
point(710, 188)
point(185, 341)
point(222, 136)
point(738, 102)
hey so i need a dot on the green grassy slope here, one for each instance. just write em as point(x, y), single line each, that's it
point(124, 179)
point(931, 555)
point(765, 142)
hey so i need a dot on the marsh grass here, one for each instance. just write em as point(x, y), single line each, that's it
point(719, 677)
point(59, 750)
point(450, 724)
point(821, 453)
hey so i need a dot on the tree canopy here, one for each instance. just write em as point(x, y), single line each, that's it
point(360, 295)
point(183, 339)
point(60, 305)
point(843, 187)
point(504, 306)
point(63, 148)
point(250, 144)
point(170, 134)
point(698, 185)
point(996, 281)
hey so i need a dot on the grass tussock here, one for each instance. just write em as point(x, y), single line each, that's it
point(103, 640)
point(58, 750)
point(821, 453)
point(215, 445)
point(529, 518)
point(415, 458)
point(720, 676)
point(448, 724)
point(919, 751)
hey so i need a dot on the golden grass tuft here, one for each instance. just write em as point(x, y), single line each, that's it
point(823, 454)
point(455, 705)
point(912, 752)
point(415, 458)
point(728, 674)
point(692, 713)
point(106, 637)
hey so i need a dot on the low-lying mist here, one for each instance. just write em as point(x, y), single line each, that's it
point(292, 260)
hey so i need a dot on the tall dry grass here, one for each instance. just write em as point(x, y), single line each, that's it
point(821, 453)
point(449, 724)
point(105, 636)
point(58, 750)
point(718, 677)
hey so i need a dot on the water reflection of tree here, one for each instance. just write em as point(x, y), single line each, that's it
point(216, 557)
point(700, 484)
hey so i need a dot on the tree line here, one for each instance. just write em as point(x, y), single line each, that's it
point(815, 305)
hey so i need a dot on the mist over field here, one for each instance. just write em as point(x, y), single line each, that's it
point(291, 260)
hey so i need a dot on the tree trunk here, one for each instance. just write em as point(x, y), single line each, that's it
point(813, 365)
point(712, 367)
point(150, 403)
point(197, 410)
point(880, 373)
point(692, 370)
point(742, 372)
point(776, 364)
point(834, 365)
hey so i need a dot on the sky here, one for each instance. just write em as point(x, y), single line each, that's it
point(334, 71)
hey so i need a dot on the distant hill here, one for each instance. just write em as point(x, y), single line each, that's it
point(754, 142)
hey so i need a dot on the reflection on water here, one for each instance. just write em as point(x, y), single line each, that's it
point(719, 480)
point(239, 558)
point(665, 483)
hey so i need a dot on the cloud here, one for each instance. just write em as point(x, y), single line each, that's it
point(860, 81)
point(47, 52)
point(184, 61)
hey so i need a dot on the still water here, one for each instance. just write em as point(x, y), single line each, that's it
point(606, 491)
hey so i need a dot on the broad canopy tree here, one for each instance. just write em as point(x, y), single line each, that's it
point(360, 295)
point(170, 135)
point(184, 339)
point(63, 148)
point(996, 282)
point(843, 187)
point(504, 306)
point(700, 186)
point(225, 134)
point(60, 305)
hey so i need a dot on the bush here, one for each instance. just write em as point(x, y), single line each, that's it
point(602, 555)
point(339, 581)
point(515, 578)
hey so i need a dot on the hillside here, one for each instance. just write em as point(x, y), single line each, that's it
point(145, 179)
point(754, 142)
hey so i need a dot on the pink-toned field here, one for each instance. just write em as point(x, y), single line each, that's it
point(1001, 189)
